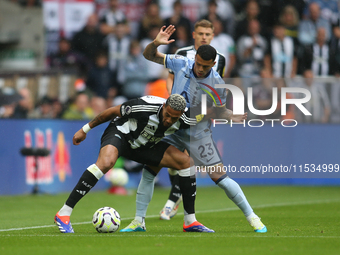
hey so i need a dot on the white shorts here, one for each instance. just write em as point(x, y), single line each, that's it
point(203, 151)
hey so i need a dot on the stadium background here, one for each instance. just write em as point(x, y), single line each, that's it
point(29, 35)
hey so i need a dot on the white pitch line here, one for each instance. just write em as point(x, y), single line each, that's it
point(190, 235)
point(203, 211)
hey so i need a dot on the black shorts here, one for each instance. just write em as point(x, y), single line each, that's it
point(149, 156)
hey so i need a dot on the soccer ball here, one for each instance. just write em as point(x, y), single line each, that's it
point(106, 220)
point(119, 177)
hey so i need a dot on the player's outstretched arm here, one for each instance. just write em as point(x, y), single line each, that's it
point(102, 117)
point(224, 113)
point(162, 38)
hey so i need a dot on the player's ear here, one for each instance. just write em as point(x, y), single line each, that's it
point(193, 35)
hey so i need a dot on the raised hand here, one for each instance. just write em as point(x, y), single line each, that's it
point(164, 34)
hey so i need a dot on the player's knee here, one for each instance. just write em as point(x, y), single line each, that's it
point(105, 164)
point(185, 162)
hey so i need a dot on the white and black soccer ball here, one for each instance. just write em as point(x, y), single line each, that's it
point(106, 220)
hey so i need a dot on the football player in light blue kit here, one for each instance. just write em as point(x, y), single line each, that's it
point(192, 79)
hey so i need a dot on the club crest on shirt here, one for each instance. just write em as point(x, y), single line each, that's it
point(126, 110)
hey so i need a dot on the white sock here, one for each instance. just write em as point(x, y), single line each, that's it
point(170, 204)
point(189, 219)
point(235, 193)
point(65, 210)
point(144, 193)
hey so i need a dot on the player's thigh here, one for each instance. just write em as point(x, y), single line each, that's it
point(148, 156)
point(176, 159)
point(204, 152)
point(112, 144)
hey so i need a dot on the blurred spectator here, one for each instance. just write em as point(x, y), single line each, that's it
point(268, 16)
point(281, 54)
point(329, 9)
point(154, 70)
point(335, 101)
point(43, 110)
point(227, 12)
point(263, 93)
point(150, 20)
point(252, 11)
point(9, 99)
point(251, 49)
point(98, 105)
point(212, 15)
point(319, 105)
point(289, 18)
point(57, 109)
point(308, 27)
point(89, 40)
point(100, 79)
point(336, 45)
point(179, 21)
point(80, 109)
point(183, 39)
point(112, 17)
point(299, 6)
point(25, 105)
point(117, 45)
point(225, 45)
point(136, 68)
point(68, 60)
point(318, 57)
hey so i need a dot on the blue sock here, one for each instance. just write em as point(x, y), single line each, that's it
point(235, 193)
point(144, 192)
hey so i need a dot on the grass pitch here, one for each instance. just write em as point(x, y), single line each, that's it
point(300, 220)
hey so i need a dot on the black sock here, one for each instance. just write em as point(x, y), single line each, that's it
point(175, 192)
point(188, 188)
point(172, 177)
point(84, 185)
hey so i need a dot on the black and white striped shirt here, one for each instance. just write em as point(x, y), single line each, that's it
point(282, 56)
point(141, 121)
point(190, 53)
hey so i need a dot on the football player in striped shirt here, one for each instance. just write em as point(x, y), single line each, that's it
point(135, 131)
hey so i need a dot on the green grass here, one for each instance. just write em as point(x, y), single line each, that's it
point(300, 220)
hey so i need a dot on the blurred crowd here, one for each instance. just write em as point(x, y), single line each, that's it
point(263, 41)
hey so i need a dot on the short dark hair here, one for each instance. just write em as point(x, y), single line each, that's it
point(207, 52)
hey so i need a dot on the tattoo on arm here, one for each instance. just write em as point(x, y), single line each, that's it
point(99, 119)
point(151, 53)
point(223, 113)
